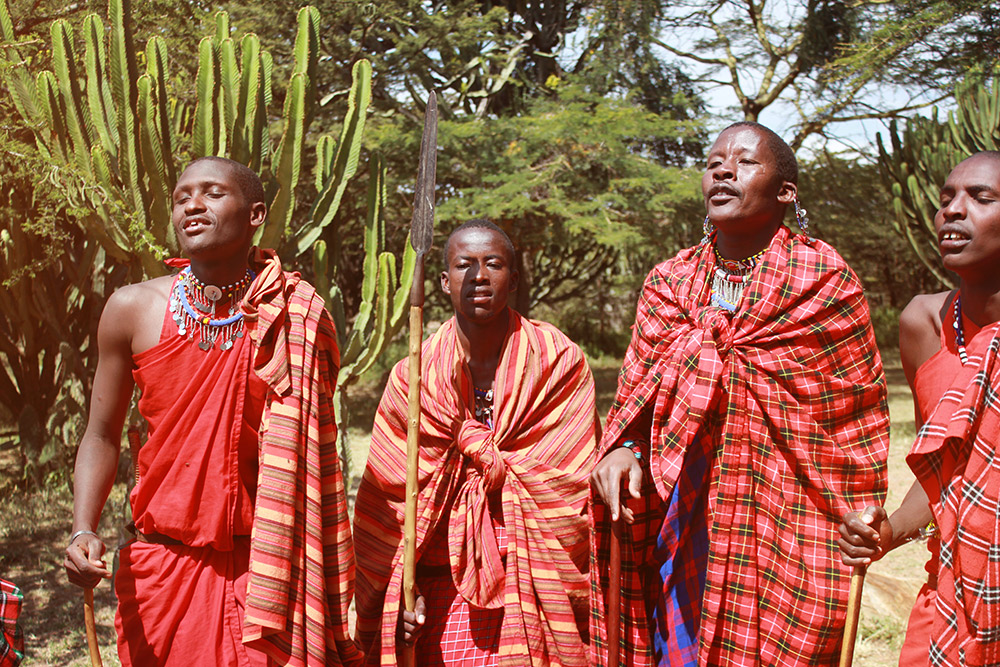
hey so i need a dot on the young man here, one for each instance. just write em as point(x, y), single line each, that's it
point(751, 410)
point(507, 438)
point(948, 343)
point(242, 553)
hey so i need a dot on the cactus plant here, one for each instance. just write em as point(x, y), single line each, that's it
point(923, 154)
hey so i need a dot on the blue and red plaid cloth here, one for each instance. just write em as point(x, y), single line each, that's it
point(787, 400)
point(11, 635)
point(955, 459)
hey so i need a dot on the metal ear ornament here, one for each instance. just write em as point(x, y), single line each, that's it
point(801, 217)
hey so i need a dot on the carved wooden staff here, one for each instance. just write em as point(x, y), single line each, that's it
point(88, 621)
point(421, 235)
point(853, 614)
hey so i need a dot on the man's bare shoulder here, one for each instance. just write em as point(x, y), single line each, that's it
point(134, 306)
point(920, 329)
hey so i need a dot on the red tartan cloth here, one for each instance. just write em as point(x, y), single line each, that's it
point(790, 388)
point(11, 634)
point(537, 458)
point(954, 457)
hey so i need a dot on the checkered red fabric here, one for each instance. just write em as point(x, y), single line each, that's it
point(11, 635)
point(537, 459)
point(790, 390)
point(955, 459)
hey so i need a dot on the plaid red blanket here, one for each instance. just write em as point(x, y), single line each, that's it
point(538, 457)
point(11, 635)
point(790, 393)
point(955, 459)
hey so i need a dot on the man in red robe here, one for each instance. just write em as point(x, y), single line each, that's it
point(948, 344)
point(507, 437)
point(243, 550)
point(751, 411)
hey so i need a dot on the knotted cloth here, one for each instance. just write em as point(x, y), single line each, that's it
point(955, 459)
point(538, 455)
point(301, 561)
point(789, 391)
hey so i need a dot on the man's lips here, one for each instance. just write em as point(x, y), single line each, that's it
point(722, 192)
point(952, 238)
point(194, 224)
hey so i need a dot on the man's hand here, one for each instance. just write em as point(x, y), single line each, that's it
point(865, 536)
point(618, 466)
point(85, 561)
point(411, 623)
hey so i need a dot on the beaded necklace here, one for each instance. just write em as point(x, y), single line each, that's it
point(960, 330)
point(190, 316)
point(484, 405)
point(730, 279)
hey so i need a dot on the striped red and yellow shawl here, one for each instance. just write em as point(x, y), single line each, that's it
point(790, 388)
point(301, 560)
point(955, 459)
point(540, 453)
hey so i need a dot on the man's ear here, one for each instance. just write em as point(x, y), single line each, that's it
point(445, 283)
point(515, 277)
point(787, 192)
point(258, 213)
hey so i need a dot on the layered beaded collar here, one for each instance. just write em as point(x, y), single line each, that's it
point(194, 307)
point(730, 279)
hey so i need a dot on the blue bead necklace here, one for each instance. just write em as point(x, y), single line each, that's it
point(198, 316)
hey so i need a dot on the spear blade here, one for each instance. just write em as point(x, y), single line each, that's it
point(422, 225)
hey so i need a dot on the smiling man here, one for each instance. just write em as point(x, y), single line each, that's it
point(507, 438)
point(239, 479)
point(948, 343)
point(751, 411)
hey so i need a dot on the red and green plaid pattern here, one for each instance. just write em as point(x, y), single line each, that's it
point(791, 391)
point(955, 459)
point(301, 555)
point(536, 460)
point(11, 635)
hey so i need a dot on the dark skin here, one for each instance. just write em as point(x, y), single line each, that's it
point(215, 223)
point(745, 198)
point(479, 278)
point(968, 226)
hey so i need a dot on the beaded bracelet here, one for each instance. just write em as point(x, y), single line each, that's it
point(634, 447)
point(78, 534)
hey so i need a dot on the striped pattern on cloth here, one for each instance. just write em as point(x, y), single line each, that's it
point(955, 459)
point(301, 560)
point(790, 390)
point(538, 457)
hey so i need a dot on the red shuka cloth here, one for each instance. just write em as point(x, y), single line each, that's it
point(954, 458)
point(791, 389)
point(538, 456)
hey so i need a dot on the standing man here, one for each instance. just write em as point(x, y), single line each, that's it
point(242, 553)
point(948, 343)
point(508, 432)
point(751, 411)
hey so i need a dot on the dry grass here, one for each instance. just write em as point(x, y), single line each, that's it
point(34, 530)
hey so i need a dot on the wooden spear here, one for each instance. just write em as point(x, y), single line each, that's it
point(91, 625)
point(853, 614)
point(612, 607)
point(421, 235)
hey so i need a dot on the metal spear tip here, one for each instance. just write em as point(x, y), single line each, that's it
point(422, 225)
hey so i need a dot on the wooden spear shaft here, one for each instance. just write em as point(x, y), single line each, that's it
point(613, 606)
point(853, 614)
point(91, 625)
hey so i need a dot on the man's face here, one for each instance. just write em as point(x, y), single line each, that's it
point(479, 277)
point(211, 215)
point(968, 220)
point(741, 186)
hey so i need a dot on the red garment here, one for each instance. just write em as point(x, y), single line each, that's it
point(791, 391)
point(177, 605)
point(537, 459)
point(11, 634)
point(934, 377)
point(954, 458)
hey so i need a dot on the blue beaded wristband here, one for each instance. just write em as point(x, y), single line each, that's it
point(634, 447)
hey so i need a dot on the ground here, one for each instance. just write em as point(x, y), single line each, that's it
point(35, 528)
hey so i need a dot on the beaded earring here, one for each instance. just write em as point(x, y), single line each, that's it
point(706, 227)
point(801, 217)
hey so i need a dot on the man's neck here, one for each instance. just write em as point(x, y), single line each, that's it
point(482, 343)
point(220, 273)
point(981, 301)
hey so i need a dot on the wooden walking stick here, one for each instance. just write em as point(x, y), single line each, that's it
point(88, 621)
point(421, 235)
point(613, 604)
point(853, 614)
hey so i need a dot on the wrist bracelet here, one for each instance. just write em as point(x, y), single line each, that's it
point(634, 447)
point(78, 534)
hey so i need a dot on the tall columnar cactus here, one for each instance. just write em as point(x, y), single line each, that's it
point(384, 299)
point(923, 155)
point(120, 132)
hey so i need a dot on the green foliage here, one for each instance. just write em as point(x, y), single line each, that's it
point(924, 153)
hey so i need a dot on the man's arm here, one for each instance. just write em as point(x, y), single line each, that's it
point(97, 457)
